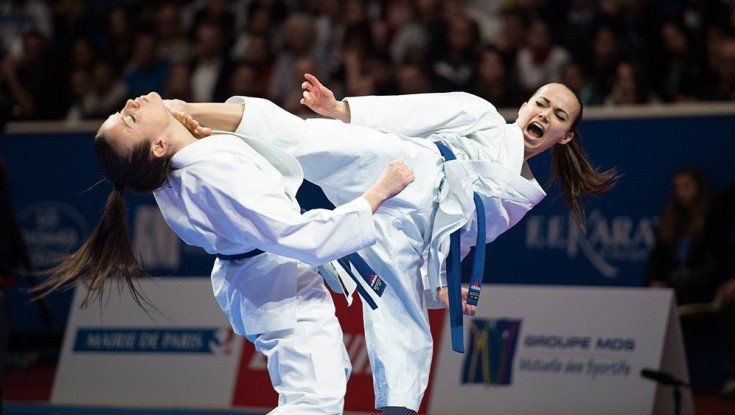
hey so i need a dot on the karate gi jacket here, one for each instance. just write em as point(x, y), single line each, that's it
point(231, 194)
point(490, 161)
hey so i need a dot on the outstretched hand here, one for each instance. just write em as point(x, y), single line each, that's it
point(320, 99)
point(467, 309)
point(180, 111)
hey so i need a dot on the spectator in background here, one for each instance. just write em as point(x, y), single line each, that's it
point(573, 75)
point(299, 35)
point(119, 34)
point(146, 71)
point(178, 84)
point(72, 21)
point(512, 37)
point(676, 65)
point(83, 55)
point(454, 65)
point(605, 57)
point(412, 79)
point(493, 82)
point(679, 258)
point(244, 81)
point(107, 92)
point(212, 66)
point(629, 87)
point(79, 83)
point(405, 33)
point(719, 85)
point(18, 18)
point(578, 28)
point(541, 61)
point(172, 45)
point(33, 91)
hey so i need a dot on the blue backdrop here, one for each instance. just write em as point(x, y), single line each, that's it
point(52, 179)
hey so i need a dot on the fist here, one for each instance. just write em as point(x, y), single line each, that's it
point(396, 177)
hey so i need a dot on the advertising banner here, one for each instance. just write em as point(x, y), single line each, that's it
point(561, 350)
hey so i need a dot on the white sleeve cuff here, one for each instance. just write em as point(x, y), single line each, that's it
point(365, 224)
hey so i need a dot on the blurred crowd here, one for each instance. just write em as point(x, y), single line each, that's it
point(80, 59)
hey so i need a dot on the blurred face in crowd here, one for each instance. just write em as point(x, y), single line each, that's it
point(490, 67)
point(258, 50)
point(625, 79)
point(178, 84)
point(674, 40)
point(727, 59)
point(83, 53)
point(573, 76)
point(460, 34)
point(546, 119)
point(685, 189)
point(145, 49)
point(167, 21)
point(243, 81)
point(605, 44)
point(79, 80)
point(411, 80)
point(34, 48)
point(118, 24)
point(299, 34)
point(142, 118)
point(539, 37)
point(102, 76)
point(209, 41)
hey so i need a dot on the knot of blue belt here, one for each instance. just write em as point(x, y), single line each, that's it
point(454, 267)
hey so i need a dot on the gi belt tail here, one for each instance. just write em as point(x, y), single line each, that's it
point(454, 267)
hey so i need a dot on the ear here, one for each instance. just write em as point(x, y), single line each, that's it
point(159, 146)
point(567, 138)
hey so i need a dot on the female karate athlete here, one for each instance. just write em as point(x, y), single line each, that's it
point(415, 228)
point(235, 197)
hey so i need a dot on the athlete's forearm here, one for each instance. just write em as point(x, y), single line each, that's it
point(217, 116)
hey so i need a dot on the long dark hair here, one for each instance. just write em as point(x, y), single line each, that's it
point(577, 177)
point(107, 253)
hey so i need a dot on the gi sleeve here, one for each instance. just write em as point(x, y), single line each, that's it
point(421, 115)
point(238, 202)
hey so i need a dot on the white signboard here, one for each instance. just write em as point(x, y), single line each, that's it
point(182, 355)
point(561, 350)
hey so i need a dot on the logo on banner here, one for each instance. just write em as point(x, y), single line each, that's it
point(492, 348)
point(218, 341)
point(51, 230)
point(611, 241)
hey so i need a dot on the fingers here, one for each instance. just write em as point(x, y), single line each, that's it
point(311, 78)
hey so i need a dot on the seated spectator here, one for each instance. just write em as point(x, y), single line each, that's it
point(79, 82)
point(412, 79)
point(244, 81)
point(679, 257)
point(454, 65)
point(299, 35)
point(178, 84)
point(172, 45)
point(146, 72)
point(629, 87)
point(493, 82)
point(605, 58)
point(212, 66)
point(107, 92)
point(18, 19)
point(719, 84)
point(573, 75)
point(541, 61)
point(676, 64)
point(32, 90)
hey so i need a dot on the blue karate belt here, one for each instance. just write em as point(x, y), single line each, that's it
point(454, 267)
point(366, 272)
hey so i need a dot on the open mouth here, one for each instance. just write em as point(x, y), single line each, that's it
point(535, 129)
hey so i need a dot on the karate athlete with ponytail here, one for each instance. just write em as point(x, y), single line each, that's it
point(464, 156)
point(234, 196)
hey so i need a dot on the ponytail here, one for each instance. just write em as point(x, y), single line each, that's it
point(577, 177)
point(107, 253)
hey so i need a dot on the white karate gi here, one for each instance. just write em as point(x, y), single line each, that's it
point(231, 195)
point(414, 227)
